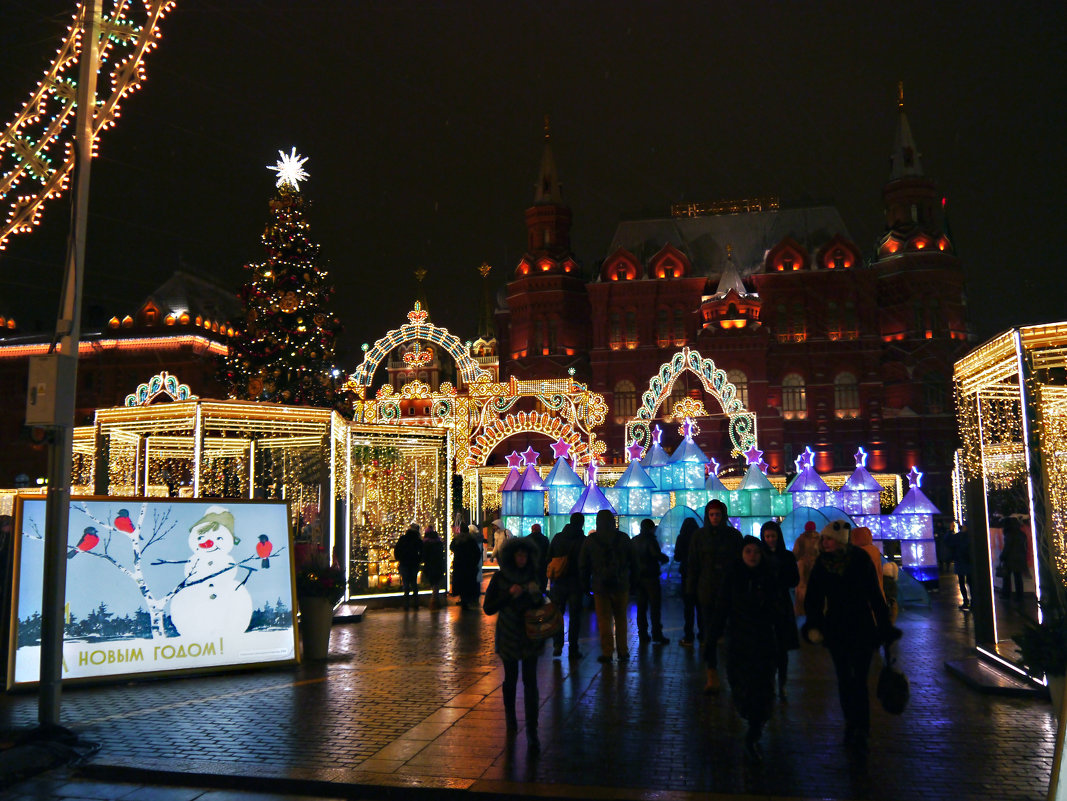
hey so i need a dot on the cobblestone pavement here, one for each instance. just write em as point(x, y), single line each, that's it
point(412, 700)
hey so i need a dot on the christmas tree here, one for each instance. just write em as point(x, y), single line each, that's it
point(283, 349)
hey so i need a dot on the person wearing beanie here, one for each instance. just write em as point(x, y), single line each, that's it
point(748, 608)
point(537, 537)
point(784, 565)
point(714, 548)
point(512, 591)
point(408, 554)
point(649, 558)
point(806, 551)
point(847, 613)
point(466, 558)
point(567, 594)
point(606, 559)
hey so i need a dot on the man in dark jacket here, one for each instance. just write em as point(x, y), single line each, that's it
point(714, 549)
point(567, 592)
point(648, 558)
point(607, 559)
point(690, 608)
point(537, 537)
point(408, 555)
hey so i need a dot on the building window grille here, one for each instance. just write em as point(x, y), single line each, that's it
point(625, 402)
point(794, 399)
point(679, 328)
point(846, 396)
point(663, 329)
point(614, 331)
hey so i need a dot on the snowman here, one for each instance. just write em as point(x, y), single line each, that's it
point(211, 603)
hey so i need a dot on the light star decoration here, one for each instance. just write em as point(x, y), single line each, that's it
point(860, 456)
point(763, 466)
point(633, 452)
point(657, 435)
point(915, 478)
point(753, 455)
point(687, 428)
point(513, 459)
point(561, 449)
point(806, 459)
point(529, 456)
point(290, 169)
point(713, 467)
point(590, 473)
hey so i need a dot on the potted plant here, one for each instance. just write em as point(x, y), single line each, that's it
point(1043, 651)
point(318, 590)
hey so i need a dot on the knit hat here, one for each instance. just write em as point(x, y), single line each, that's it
point(810, 526)
point(837, 530)
point(216, 517)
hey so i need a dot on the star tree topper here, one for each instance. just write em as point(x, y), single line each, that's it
point(290, 169)
point(561, 449)
point(513, 459)
point(529, 456)
point(860, 456)
point(633, 452)
point(753, 455)
point(806, 459)
point(915, 478)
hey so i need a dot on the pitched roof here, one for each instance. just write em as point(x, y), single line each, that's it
point(184, 292)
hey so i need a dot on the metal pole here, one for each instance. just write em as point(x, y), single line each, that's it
point(68, 332)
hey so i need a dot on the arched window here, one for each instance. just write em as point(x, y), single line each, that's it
point(663, 328)
point(935, 393)
point(625, 401)
point(846, 396)
point(740, 382)
point(614, 330)
point(631, 330)
point(794, 399)
point(679, 327)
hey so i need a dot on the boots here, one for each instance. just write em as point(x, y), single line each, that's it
point(533, 744)
point(713, 685)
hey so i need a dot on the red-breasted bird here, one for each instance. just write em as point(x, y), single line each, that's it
point(88, 541)
point(263, 549)
point(123, 522)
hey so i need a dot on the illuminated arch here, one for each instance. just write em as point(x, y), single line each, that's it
point(525, 422)
point(418, 328)
point(742, 428)
point(161, 384)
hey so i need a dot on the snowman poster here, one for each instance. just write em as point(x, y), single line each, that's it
point(159, 585)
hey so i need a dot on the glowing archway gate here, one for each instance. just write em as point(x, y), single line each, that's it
point(41, 133)
point(742, 427)
point(526, 422)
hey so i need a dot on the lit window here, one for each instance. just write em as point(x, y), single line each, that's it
point(614, 331)
point(740, 382)
point(679, 327)
point(631, 330)
point(794, 398)
point(833, 321)
point(625, 402)
point(846, 396)
point(663, 328)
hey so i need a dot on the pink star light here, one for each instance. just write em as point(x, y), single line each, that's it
point(513, 459)
point(687, 428)
point(753, 455)
point(633, 452)
point(561, 449)
point(860, 456)
point(529, 456)
point(590, 473)
point(713, 467)
point(657, 435)
point(915, 478)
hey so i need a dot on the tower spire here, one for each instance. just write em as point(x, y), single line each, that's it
point(905, 161)
point(547, 189)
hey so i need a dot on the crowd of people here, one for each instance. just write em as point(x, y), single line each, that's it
point(746, 591)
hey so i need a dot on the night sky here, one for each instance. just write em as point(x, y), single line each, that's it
point(423, 127)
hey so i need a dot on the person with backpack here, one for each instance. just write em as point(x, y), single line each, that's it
point(408, 555)
point(606, 559)
point(649, 558)
point(564, 553)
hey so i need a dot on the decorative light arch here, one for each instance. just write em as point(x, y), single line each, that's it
point(742, 428)
point(523, 422)
point(162, 384)
point(418, 328)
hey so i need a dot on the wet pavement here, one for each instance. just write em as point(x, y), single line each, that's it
point(409, 703)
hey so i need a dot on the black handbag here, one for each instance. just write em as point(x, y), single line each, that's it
point(893, 687)
point(543, 621)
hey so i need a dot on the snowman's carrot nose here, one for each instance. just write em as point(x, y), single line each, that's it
point(207, 543)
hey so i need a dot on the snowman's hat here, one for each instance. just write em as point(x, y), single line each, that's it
point(216, 517)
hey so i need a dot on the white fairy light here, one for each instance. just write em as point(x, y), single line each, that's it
point(290, 169)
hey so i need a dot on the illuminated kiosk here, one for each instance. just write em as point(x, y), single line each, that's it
point(1012, 401)
point(351, 488)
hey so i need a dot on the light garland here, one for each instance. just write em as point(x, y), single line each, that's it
point(161, 384)
point(36, 149)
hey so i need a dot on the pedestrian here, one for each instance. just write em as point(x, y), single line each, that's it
point(606, 560)
point(846, 613)
point(749, 609)
point(958, 543)
point(433, 562)
point(784, 565)
point(714, 549)
point(1013, 557)
point(564, 553)
point(690, 607)
point(648, 560)
point(806, 550)
point(408, 555)
point(466, 559)
point(862, 538)
point(537, 537)
point(500, 536)
point(513, 590)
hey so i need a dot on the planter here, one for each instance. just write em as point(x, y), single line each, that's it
point(1055, 689)
point(316, 618)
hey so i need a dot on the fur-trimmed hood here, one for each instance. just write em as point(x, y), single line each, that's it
point(505, 557)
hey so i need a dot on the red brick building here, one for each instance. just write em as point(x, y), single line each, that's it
point(829, 346)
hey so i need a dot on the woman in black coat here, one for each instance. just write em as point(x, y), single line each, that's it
point(785, 569)
point(433, 562)
point(513, 590)
point(748, 608)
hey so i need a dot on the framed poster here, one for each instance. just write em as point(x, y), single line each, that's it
point(158, 585)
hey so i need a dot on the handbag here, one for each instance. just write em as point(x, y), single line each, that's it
point(543, 621)
point(557, 567)
point(893, 688)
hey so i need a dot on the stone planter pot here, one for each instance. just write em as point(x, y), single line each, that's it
point(316, 618)
point(1055, 689)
